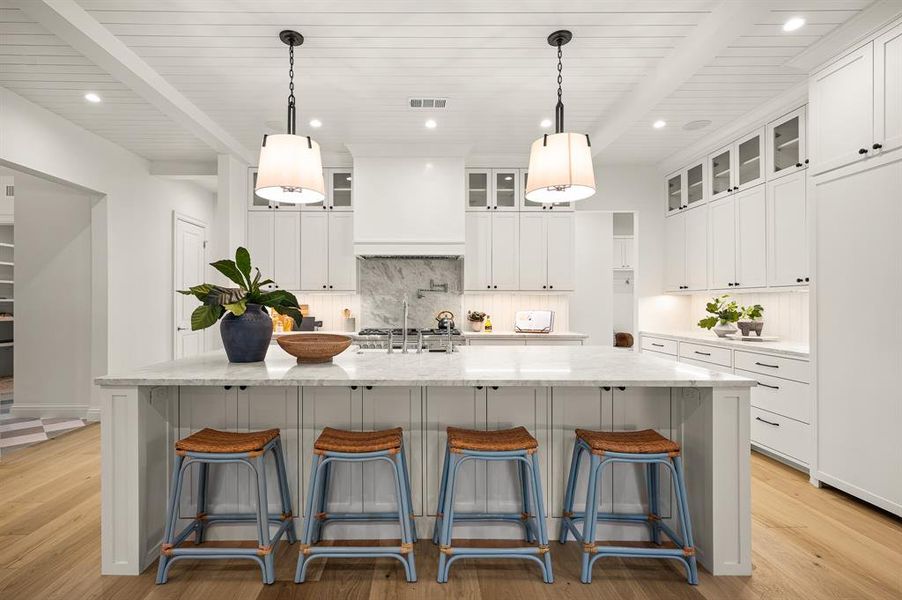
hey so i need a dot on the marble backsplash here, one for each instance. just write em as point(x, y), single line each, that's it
point(383, 283)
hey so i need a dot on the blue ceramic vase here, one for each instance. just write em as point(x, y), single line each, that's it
point(246, 338)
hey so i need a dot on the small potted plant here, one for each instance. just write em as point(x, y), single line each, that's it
point(247, 327)
point(750, 320)
point(476, 320)
point(724, 315)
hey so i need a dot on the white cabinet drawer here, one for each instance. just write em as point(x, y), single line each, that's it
point(706, 365)
point(710, 354)
point(659, 345)
point(781, 434)
point(775, 366)
point(782, 396)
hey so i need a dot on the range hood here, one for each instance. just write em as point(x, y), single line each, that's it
point(408, 200)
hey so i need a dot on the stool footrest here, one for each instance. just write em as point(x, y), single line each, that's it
point(357, 550)
point(373, 516)
point(459, 516)
point(615, 517)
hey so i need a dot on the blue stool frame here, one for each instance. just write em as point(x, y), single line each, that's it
point(685, 552)
point(532, 517)
point(263, 554)
point(318, 518)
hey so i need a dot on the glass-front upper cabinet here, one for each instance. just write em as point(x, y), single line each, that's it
point(478, 189)
point(786, 148)
point(749, 154)
point(340, 189)
point(506, 189)
point(675, 193)
point(529, 205)
point(255, 202)
point(721, 168)
point(695, 184)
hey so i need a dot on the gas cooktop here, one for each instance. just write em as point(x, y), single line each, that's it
point(378, 331)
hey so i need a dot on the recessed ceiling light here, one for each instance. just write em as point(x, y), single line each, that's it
point(659, 124)
point(315, 123)
point(92, 97)
point(794, 23)
point(431, 124)
point(545, 124)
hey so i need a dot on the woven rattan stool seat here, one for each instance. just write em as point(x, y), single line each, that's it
point(502, 440)
point(339, 440)
point(213, 441)
point(647, 441)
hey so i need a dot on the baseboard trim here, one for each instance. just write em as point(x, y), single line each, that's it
point(46, 411)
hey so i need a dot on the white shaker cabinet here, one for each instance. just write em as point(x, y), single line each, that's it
point(787, 145)
point(675, 253)
point(492, 251)
point(841, 107)
point(888, 89)
point(738, 240)
point(787, 230)
point(533, 252)
point(696, 249)
point(342, 261)
point(561, 251)
point(273, 240)
point(723, 243)
point(315, 251)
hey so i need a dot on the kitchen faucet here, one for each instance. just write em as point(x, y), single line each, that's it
point(404, 331)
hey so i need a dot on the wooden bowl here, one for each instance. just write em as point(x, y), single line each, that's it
point(312, 348)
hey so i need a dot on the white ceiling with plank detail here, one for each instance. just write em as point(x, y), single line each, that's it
point(630, 63)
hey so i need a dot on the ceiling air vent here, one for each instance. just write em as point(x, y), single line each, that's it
point(428, 103)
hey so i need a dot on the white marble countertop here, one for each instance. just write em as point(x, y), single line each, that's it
point(583, 366)
point(789, 349)
point(513, 335)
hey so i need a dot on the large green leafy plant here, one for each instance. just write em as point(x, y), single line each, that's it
point(721, 311)
point(217, 300)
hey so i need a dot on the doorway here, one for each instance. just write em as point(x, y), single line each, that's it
point(189, 237)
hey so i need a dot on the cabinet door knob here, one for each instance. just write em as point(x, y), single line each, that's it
point(544, 287)
point(550, 287)
point(488, 287)
point(324, 287)
point(324, 207)
point(495, 286)
point(806, 280)
point(330, 287)
point(806, 161)
point(730, 284)
point(798, 280)
point(269, 207)
point(488, 208)
point(877, 146)
point(798, 164)
point(862, 151)
point(495, 207)
point(736, 283)
point(736, 188)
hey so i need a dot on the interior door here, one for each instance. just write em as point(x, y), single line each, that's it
point(751, 238)
point(190, 264)
point(506, 251)
point(723, 243)
point(342, 262)
point(533, 252)
point(888, 89)
point(787, 244)
point(841, 106)
point(314, 251)
point(561, 252)
point(478, 252)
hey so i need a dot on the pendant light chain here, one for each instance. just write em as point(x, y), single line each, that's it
point(291, 101)
point(559, 108)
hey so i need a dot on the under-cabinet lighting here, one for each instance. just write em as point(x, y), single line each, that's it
point(794, 23)
point(92, 97)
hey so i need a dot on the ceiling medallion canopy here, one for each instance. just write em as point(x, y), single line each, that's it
point(560, 164)
point(290, 169)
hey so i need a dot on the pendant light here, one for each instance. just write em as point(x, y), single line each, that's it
point(290, 170)
point(560, 164)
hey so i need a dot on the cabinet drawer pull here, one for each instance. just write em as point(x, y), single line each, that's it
point(703, 353)
point(761, 364)
point(657, 345)
point(766, 421)
point(877, 146)
point(862, 151)
point(773, 387)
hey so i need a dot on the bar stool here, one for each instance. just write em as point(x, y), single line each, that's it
point(646, 447)
point(210, 446)
point(503, 445)
point(336, 445)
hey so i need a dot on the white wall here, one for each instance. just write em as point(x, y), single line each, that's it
point(132, 232)
point(53, 298)
point(638, 188)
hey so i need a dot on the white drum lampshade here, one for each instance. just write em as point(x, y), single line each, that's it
point(560, 169)
point(290, 170)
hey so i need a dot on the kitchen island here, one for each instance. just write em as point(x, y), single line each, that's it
point(549, 390)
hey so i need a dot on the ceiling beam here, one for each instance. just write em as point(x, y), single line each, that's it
point(69, 22)
point(726, 22)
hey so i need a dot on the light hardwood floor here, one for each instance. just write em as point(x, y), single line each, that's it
point(807, 543)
